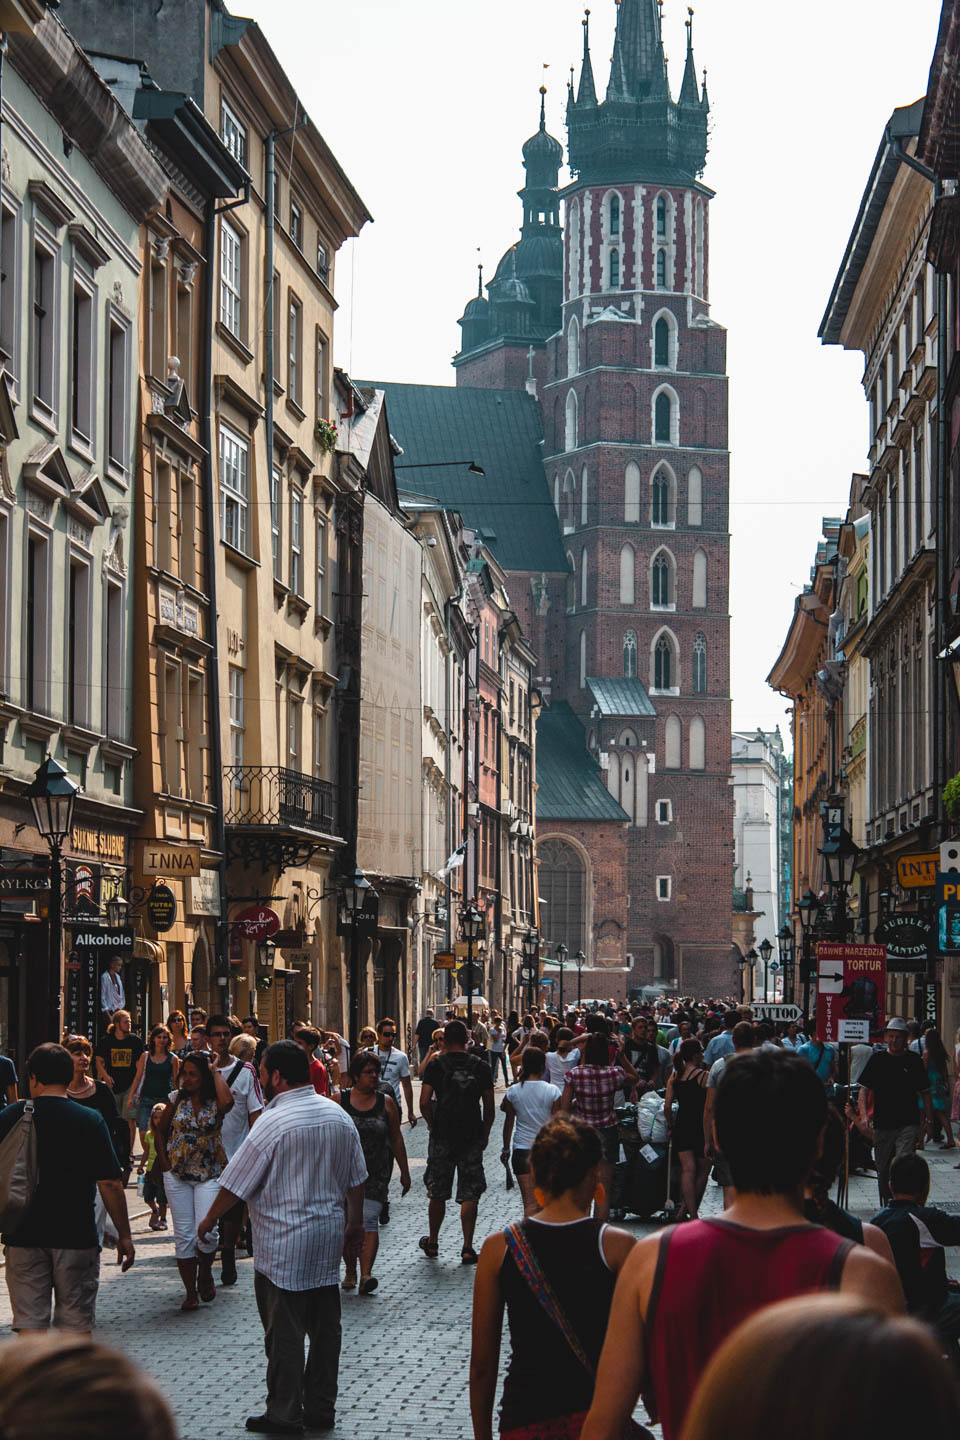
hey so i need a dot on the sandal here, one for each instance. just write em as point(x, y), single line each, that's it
point(349, 1282)
point(368, 1283)
point(428, 1246)
point(207, 1290)
point(468, 1256)
point(189, 1304)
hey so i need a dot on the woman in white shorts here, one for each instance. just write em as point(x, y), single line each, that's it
point(527, 1106)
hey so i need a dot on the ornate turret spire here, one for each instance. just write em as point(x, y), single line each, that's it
point(588, 89)
point(690, 90)
point(704, 102)
point(637, 66)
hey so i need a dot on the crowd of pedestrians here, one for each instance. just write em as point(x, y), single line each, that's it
point(284, 1152)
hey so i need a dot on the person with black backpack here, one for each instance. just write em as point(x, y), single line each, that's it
point(244, 1086)
point(456, 1101)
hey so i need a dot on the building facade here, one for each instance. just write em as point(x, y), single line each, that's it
point(761, 776)
point(78, 183)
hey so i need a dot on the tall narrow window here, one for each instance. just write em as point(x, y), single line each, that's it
point(321, 376)
point(296, 224)
point(661, 342)
point(583, 659)
point(9, 273)
point(294, 341)
point(583, 581)
point(157, 337)
point(184, 320)
point(663, 420)
point(163, 517)
point(118, 391)
point(700, 580)
point(630, 654)
point(195, 732)
point(661, 217)
point(627, 575)
point(187, 529)
point(663, 664)
point(77, 667)
point(44, 331)
point(233, 132)
point(698, 744)
point(614, 269)
point(231, 279)
point(673, 736)
point(294, 731)
point(235, 682)
point(631, 494)
point(275, 522)
point(662, 510)
point(661, 580)
point(584, 497)
point(82, 367)
point(699, 665)
point(661, 269)
point(323, 260)
point(296, 541)
point(571, 422)
point(573, 347)
point(695, 496)
point(614, 214)
point(115, 663)
point(172, 735)
point(320, 598)
point(234, 489)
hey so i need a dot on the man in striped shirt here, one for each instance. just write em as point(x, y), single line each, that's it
point(297, 1167)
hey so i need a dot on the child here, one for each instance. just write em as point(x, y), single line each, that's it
point(153, 1191)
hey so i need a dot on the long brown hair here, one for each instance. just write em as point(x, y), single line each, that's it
point(761, 1375)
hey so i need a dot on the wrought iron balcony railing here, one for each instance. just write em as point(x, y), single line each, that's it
point(273, 795)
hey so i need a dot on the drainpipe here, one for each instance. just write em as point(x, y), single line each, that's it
point(222, 956)
point(268, 335)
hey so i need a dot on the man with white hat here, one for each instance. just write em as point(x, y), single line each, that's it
point(893, 1079)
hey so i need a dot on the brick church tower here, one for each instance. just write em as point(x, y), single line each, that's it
point(631, 379)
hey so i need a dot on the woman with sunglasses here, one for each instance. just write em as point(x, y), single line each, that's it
point(96, 1095)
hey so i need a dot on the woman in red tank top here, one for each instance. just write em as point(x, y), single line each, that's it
point(683, 1292)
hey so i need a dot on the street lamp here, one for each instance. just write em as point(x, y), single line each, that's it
point(531, 960)
point(53, 795)
point(581, 960)
point(775, 968)
point(785, 946)
point(808, 909)
point(117, 908)
point(357, 896)
point(840, 861)
point(766, 950)
point(471, 923)
point(561, 953)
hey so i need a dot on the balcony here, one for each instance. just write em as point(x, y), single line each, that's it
point(277, 816)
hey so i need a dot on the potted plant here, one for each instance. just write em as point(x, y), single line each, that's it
point(951, 798)
point(327, 435)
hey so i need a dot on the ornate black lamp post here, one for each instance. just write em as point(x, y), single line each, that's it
point(808, 909)
point(561, 961)
point(766, 950)
point(471, 923)
point(531, 962)
point(53, 795)
point(356, 895)
point(581, 960)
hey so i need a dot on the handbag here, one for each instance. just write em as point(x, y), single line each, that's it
point(530, 1270)
point(19, 1171)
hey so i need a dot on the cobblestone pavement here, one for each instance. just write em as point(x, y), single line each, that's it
point(404, 1363)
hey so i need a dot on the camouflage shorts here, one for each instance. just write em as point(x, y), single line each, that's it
point(441, 1164)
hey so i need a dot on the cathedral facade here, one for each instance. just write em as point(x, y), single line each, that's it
point(600, 315)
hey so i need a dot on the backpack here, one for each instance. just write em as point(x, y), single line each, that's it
point(456, 1120)
point(19, 1170)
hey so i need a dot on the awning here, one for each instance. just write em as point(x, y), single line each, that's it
point(149, 950)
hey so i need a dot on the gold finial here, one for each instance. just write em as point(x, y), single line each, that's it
point(543, 89)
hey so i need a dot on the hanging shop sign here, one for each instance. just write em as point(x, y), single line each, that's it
point(918, 872)
point(257, 922)
point(23, 882)
point(165, 860)
point(777, 1014)
point(161, 908)
point(203, 893)
point(81, 899)
point(907, 939)
point(444, 960)
point(851, 985)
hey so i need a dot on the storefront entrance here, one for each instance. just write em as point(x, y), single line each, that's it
point(12, 1016)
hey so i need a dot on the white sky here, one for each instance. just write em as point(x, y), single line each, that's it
point(426, 105)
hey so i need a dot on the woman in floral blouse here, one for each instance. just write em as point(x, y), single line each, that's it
point(191, 1155)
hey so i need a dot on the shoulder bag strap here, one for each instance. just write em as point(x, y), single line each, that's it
point(234, 1073)
point(531, 1271)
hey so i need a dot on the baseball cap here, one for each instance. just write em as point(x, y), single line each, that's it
point(896, 1024)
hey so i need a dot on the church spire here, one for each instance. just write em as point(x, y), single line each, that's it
point(588, 89)
point(638, 65)
point(690, 90)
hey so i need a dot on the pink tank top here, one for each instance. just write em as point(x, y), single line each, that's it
point(710, 1276)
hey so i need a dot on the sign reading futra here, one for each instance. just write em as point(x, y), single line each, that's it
point(161, 908)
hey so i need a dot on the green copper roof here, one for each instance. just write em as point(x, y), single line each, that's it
point(502, 432)
point(621, 697)
point(569, 780)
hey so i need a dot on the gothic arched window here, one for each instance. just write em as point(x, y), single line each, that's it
point(563, 889)
point(573, 347)
point(661, 217)
point(614, 269)
point(662, 508)
point(663, 420)
point(627, 576)
point(631, 494)
point(699, 665)
point(698, 744)
point(661, 588)
point(630, 654)
point(661, 269)
point(661, 342)
point(663, 666)
point(614, 214)
point(572, 423)
point(674, 742)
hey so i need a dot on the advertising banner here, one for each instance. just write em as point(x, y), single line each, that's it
point(851, 985)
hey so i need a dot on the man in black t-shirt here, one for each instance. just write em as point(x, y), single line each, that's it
point(117, 1056)
point(424, 1033)
point(54, 1249)
point(896, 1081)
point(456, 1100)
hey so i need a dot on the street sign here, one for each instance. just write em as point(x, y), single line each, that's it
point(257, 922)
point(907, 938)
point(853, 1032)
point(778, 1014)
point(161, 908)
point(529, 974)
point(470, 976)
point(851, 985)
point(444, 960)
point(918, 872)
point(925, 1000)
